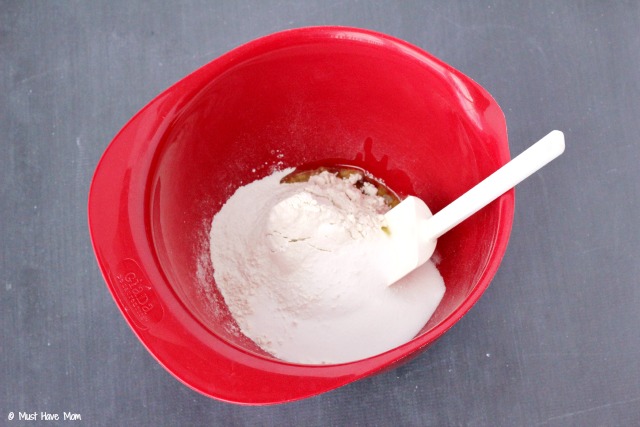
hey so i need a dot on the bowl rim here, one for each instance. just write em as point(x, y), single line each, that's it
point(175, 338)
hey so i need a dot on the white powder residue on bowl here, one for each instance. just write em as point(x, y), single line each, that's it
point(301, 267)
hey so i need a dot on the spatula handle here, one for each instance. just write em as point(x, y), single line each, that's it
point(498, 183)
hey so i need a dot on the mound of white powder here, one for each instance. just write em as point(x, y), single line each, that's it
point(301, 267)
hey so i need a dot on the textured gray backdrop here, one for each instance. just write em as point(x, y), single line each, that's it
point(555, 340)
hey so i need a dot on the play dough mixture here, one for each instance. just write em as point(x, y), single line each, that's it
point(301, 267)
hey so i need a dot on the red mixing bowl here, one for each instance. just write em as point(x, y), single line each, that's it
point(328, 94)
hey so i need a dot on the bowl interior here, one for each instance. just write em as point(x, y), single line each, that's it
point(411, 121)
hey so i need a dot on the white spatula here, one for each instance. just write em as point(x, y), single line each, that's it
point(414, 231)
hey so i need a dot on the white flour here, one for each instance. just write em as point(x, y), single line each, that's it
point(301, 268)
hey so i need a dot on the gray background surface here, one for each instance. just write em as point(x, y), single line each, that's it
point(555, 340)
